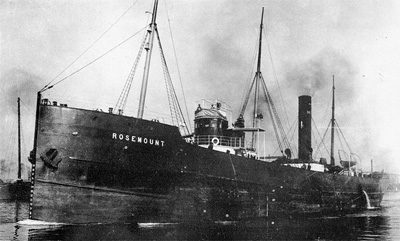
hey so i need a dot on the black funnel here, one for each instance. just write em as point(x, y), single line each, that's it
point(305, 149)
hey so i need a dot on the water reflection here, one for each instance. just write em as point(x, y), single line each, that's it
point(379, 224)
point(334, 228)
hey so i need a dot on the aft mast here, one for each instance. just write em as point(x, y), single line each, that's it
point(149, 49)
point(333, 124)
point(258, 78)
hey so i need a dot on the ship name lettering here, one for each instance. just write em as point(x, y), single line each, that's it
point(138, 139)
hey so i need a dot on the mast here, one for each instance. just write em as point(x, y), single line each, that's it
point(372, 166)
point(258, 77)
point(259, 45)
point(19, 139)
point(333, 124)
point(149, 49)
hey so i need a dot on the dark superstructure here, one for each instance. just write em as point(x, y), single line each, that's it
point(96, 167)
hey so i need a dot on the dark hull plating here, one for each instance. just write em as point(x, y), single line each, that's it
point(99, 167)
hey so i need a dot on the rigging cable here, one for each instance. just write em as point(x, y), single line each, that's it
point(22, 131)
point(171, 91)
point(323, 137)
point(24, 152)
point(328, 108)
point(342, 150)
point(112, 49)
point(10, 151)
point(176, 61)
point(314, 152)
point(245, 97)
point(121, 103)
point(27, 109)
point(246, 101)
point(276, 78)
point(292, 137)
point(340, 130)
point(112, 25)
point(270, 110)
point(276, 116)
point(168, 85)
point(345, 155)
point(319, 135)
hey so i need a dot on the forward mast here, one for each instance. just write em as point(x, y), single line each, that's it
point(149, 49)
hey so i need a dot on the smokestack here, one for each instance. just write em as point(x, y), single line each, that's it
point(305, 149)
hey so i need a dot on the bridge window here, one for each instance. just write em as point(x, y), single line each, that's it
point(213, 123)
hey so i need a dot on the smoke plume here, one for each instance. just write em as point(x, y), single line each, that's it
point(315, 75)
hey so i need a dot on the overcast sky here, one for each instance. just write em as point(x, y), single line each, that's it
point(305, 44)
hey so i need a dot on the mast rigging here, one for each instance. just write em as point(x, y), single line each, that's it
point(177, 117)
point(149, 49)
point(121, 103)
point(259, 84)
point(333, 124)
point(175, 108)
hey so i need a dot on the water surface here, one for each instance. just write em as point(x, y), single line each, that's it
point(370, 224)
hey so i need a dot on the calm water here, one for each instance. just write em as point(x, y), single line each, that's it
point(378, 224)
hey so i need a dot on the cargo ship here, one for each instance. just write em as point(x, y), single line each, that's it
point(103, 167)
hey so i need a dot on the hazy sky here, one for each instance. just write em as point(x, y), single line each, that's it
point(215, 41)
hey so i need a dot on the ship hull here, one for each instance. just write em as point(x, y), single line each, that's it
point(95, 167)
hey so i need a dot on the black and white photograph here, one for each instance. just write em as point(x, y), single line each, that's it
point(199, 120)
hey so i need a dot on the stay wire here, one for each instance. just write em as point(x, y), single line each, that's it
point(177, 65)
point(340, 130)
point(112, 25)
point(276, 78)
point(276, 117)
point(292, 137)
point(319, 135)
point(271, 113)
point(323, 137)
point(27, 108)
point(249, 83)
point(49, 87)
point(175, 98)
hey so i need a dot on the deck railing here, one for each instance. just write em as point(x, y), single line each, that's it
point(219, 140)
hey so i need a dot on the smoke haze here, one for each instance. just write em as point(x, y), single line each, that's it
point(17, 83)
